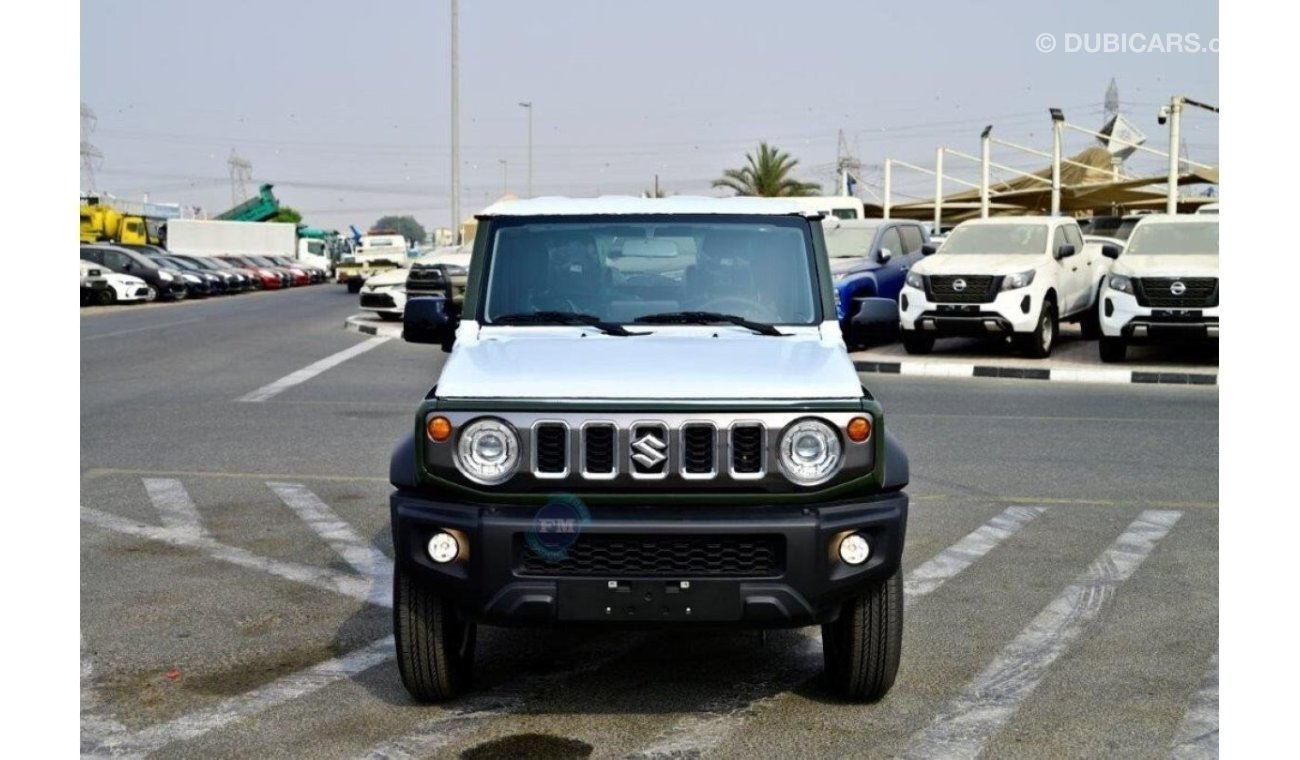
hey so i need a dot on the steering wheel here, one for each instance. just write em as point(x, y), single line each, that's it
point(748, 309)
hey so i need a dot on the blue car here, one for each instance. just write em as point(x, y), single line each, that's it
point(869, 259)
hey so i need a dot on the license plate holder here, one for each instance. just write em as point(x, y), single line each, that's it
point(648, 600)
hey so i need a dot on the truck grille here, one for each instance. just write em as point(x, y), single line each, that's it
point(377, 301)
point(424, 279)
point(699, 443)
point(598, 449)
point(1198, 292)
point(747, 450)
point(698, 450)
point(973, 288)
point(689, 556)
point(551, 447)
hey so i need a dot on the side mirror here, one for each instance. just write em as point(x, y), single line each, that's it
point(927, 249)
point(883, 255)
point(1110, 251)
point(426, 319)
point(1065, 251)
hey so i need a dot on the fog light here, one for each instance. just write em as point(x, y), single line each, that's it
point(443, 548)
point(854, 549)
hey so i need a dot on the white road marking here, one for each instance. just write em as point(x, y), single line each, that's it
point(250, 703)
point(96, 730)
point(471, 713)
point(968, 722)
point(347, 585)
point(956, 558)
point(174, 505)
point(702, 732)
point(1198, 737)
point(310, 371)
point(355, 550)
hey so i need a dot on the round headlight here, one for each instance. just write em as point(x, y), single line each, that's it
point(488, 452)
point(810, 452)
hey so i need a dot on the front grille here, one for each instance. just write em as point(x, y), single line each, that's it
point(1198, 293)
point(552, 449)
point(698, 447)
point(974, 288)
point(426, 280)
point(598, 449)
point(600, 554)
point(377, 301)
point(747, 449)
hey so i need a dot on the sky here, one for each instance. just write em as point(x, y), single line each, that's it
point(345, 107)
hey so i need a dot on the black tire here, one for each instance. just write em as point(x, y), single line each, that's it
point(354, 286)
point(863, 646)
point(435, 648)
point(915, 342)
point(1112, 350)
point(1039, 342)
point(1091, 322)
point(105, 297)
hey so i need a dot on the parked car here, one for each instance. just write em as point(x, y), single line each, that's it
point(252, 280)
point(1013, 276)
point(385, 294)
point(169, 283)
point(431, 273)
point(869, 258)
point(233, 280)
point(209, 283)
point(314, 274)
point(696, 453)
point(1164, 287)
point(272, 278)
point(296, 276)
point(101, 287)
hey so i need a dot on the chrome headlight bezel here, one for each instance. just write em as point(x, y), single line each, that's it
point(915, 280)
point(822, 455)
point(473, 455)
point(1121, 283)
point(1018, 280)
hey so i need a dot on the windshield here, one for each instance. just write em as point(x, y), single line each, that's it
point(261, 261)
point(1181, 238)
point(757, 268)
point(997, 238)
point(849, 243)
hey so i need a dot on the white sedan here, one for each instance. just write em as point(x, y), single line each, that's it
point(102, 286)
point(385, 294)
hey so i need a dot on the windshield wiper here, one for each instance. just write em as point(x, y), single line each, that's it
point(564, 318)
point(707, 318)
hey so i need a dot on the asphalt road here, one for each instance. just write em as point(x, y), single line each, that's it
point(1062, 561)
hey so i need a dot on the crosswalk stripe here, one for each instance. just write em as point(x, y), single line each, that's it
point(1198, 736)
point(961, 555)
point(968, 722)
point(174, 505)
point(355, 550)
point(250, 703)
point(311, 370)
point(701, 732)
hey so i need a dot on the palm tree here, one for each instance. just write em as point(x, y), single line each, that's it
point(768, 176)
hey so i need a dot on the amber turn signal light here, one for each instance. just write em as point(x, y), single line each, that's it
point(439, 429)
point(858, 429)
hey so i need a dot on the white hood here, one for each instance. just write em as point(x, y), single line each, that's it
point(979, 263)
point(1168, 265)
point(388, 277)
point(671, 363)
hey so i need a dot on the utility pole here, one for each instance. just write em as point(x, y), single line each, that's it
point(91, 157)
point(529, 106)
point(889, 181)
point(455, 122)
point(1175, 124)
point(656, 185)
point(241, 171)
point(1058, 119)
point(938, 190)
point(984, 171)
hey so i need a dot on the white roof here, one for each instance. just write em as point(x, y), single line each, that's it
point(1026, 219)
point(627, 204)
point(1176, 219)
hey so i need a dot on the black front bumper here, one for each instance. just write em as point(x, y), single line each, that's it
point(963, 320)
point(801, 583)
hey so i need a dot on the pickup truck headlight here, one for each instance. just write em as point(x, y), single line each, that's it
point(1017, 280)
point(915, 280)
point(1121, 283)
point(810, 452)
point(488, 452)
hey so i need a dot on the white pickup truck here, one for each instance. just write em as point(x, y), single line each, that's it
point(374, 254)
point(1164, 288)
point(1014, 276)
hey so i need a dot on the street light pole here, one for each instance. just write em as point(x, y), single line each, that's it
point(529, 106)
point(1058, 119)
point(455, 121)
point(1175, 119)
point(505, 176)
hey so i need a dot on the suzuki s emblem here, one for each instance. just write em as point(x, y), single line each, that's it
point(1178, 288)
point(649, 451)
point(959, 284)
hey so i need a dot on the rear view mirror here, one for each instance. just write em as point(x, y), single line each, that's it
point(927, 249)
point(650, 248)
point(426, 319)
point(1110, 251)
point(1065, 251)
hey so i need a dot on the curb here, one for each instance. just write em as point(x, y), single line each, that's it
point(362, 325)
point(946, 369)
